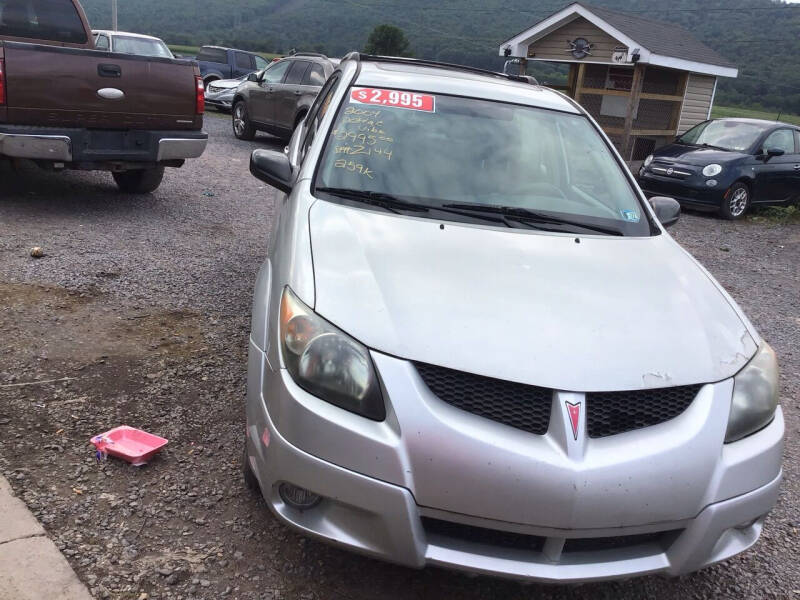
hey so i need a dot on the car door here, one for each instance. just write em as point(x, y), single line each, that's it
point(775, 176)
point(261, 104)
point(288, 92)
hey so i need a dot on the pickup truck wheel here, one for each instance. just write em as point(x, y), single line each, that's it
point(242, 127)
point(140, 181)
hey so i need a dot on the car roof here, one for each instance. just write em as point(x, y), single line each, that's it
point(441, 78)
point(126, 33)
point(763, 122)
point(234, 49)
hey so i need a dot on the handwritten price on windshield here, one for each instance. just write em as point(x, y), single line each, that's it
point(393, 98)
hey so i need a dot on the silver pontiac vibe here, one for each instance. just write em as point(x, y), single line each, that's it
point(475, 345)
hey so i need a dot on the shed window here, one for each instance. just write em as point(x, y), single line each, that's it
point(619, 78)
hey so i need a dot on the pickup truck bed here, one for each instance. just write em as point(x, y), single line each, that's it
point(79, 108)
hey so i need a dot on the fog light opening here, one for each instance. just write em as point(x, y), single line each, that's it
point(297, 497)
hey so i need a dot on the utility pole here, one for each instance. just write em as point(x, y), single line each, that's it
point(114, 15)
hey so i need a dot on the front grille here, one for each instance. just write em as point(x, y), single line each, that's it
point(609, 413)
point(525, 407)
point(667, 170)
point(458, 532)
point(482, 535)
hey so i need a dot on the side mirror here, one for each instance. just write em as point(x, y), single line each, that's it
point(772, 152)
point(667, 210)
point(253, 77)
point(272, 167)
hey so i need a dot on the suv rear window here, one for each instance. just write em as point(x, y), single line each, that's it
point(215, 55)
point(52, 20)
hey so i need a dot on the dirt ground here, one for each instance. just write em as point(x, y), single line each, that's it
point(138, 314)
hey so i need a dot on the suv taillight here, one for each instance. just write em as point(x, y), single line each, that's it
point(2, 82)
point(201, 100)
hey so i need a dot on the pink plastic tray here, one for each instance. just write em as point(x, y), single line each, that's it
point(134, 445)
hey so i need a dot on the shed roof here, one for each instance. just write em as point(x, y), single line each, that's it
point(660, 43)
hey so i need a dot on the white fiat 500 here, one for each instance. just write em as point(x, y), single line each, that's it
point(474, 344)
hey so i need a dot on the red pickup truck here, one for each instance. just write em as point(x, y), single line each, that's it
point(65, 105)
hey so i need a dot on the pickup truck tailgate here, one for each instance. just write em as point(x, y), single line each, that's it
point(65, 87)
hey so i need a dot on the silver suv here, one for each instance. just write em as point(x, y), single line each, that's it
point(276, 99)
point(475, 345)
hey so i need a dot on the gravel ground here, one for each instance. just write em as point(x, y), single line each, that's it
point(140, 311)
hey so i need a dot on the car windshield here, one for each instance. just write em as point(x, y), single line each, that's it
point(141, 46)
point(467, 154)
point(727, 135)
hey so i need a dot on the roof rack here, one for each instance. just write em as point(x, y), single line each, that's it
point(360, 56)
point(317, 54)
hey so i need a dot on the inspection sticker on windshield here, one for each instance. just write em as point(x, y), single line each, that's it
point(629, 215)
point(394, 98)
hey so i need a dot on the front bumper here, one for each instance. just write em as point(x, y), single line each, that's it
point(221, 101)
point(99, 146)
point(386, 520)
point(692, 192)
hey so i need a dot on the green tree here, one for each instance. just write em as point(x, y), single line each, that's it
point(387, 40)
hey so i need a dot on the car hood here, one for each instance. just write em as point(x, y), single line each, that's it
point(691, 155)
point(573, 313)
point(226, 83)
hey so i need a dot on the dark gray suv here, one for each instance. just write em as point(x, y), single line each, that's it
point(276, 99)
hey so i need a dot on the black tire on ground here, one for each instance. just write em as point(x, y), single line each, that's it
point(736, 202)
point(243, 129)
point(249, 477)
point(139, 181)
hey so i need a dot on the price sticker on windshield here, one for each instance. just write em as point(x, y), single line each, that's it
point(394, 99)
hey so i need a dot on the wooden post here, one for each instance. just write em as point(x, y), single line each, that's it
point(579, 82)
point(633, 105)
point(114, 15)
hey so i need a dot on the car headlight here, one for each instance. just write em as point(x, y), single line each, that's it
point(755, 395)
point(648, 160)
point(327, 362)
point(712, 170)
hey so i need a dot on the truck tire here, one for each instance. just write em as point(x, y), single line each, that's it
point(243, 129)
point(139, 181)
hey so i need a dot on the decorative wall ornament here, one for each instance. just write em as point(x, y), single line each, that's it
point(580, 47)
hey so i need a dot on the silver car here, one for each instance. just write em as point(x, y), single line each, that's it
point(219, 93)
point(475, 345)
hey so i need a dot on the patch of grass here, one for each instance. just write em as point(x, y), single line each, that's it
point(777, 214)
point(750, 113)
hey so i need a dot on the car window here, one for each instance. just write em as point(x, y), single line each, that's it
point(141, 46)
point(314, 76)
point(782, 139)
point(276, 72)
point(723, 133)
point(215, 55)
point(318, 110)
point(261, 63)
point(438, 150)
point(797, 142)
point(52, 20)
point(243, 61)
point(101, 42)
point(296, 72)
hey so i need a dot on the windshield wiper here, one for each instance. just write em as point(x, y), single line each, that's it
point(704, 145)
point(387, 201)
point(524, 214)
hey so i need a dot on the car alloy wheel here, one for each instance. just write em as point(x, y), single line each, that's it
point(239, 119)
point(738, 202)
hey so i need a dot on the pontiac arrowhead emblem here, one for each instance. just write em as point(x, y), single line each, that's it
point(574, 411)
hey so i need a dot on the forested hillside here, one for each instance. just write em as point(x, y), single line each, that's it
point(760, 36)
